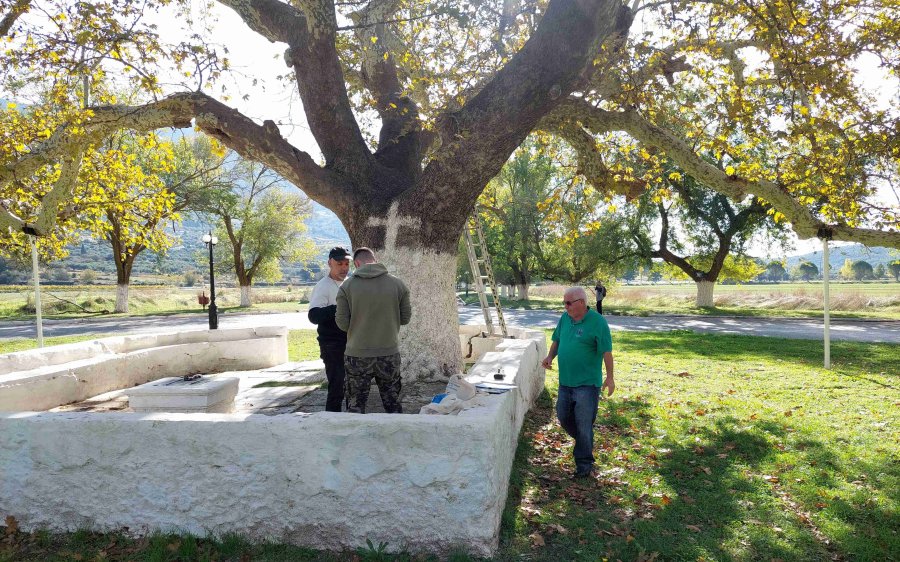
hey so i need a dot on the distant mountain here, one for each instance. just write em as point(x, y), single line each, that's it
point(853, 252)
point(325, 228)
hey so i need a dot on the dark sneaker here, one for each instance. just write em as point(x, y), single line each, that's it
point(579, 474)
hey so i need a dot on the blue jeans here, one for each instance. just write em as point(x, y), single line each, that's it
point(576, 408)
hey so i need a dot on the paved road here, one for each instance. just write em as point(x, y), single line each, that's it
point(850, 330)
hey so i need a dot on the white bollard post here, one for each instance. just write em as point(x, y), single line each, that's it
point(37, 291)
point(826, 275)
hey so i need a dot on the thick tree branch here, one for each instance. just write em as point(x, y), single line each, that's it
point(262, 143)
point(310, 35)
point(52, 204)
point(477, 139)
point(666, 254)
point(804, 224)
point(16, 11)
point(590, 160)
point(401, 142)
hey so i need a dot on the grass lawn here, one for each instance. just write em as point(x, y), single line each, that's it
point(712, 448)
point(721, 448)
point(16, 302)
point(799, 300)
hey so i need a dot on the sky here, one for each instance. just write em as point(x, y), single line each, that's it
point(252, 56)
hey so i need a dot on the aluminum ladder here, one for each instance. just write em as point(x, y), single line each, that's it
point(472, 230)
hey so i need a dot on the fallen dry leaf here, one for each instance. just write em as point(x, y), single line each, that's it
point(666, 500)
point(772, 479)
point(558, 528)
point(693, 528)
point(12, 526)
point(537, 540)
point(788, 414)
point(683, 374)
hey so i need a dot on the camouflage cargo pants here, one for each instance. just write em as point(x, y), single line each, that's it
point(360, 371)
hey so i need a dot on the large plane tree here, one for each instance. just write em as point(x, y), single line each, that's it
point(448, 89)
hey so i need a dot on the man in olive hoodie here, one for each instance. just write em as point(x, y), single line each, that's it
point(371, 307)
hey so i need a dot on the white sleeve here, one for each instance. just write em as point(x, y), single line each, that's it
point(319, 297)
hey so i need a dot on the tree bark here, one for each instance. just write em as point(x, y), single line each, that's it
point(124, 260)
point(429, 344)
point(705, 293)
point(522, 291)
point(245, 296)
point(121, 298)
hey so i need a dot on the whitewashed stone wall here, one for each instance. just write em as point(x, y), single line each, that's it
point(40, 379)
point(325, 480)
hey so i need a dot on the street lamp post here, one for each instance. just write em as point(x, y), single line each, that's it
point(211, 241)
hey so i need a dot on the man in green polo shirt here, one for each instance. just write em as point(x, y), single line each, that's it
point(583, 343)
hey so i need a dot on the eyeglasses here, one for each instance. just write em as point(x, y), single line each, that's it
point(570, 303)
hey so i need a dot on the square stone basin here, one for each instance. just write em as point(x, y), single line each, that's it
point(180, 395)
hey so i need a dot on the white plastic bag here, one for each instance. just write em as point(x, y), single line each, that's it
point(463, 389)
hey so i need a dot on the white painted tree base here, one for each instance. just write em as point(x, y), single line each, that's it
point(705, 293)
point(522, 292)
point(429, 345)
point(245, 295)
point(121, 298)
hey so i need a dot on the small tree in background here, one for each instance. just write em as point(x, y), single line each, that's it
point(807, 271)
point(862, 270)
point(846, 271)
point(894, 268)
point(774, 271)
point(191, 278)
point(88, 277)
point(880, 271)
point(261, 225)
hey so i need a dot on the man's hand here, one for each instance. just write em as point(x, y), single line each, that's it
point(609, 384)
point(547, 363)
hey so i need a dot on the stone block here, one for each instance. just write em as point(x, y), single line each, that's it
point(174, 394)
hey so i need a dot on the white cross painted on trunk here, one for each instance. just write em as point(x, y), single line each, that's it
point(392, 223)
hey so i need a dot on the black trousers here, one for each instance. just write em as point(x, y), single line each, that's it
point(333, 356)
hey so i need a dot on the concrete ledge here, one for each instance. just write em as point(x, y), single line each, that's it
point(40, 379)
point(324, 480)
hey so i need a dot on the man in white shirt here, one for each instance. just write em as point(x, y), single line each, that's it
point(332, 340)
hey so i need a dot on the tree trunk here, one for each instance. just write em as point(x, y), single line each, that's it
point(245, 295)
point(429, 344)
point(705, 293)
point(504, 291)
point(122, 297)
point(522, 291)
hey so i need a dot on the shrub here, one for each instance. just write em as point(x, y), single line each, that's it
point(191, 278)
point(88, 277)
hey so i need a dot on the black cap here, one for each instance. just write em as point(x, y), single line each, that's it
point(338, 253)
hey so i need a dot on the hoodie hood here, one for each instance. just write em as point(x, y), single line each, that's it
point(370, 270)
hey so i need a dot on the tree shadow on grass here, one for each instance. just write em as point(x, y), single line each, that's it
point(727, 508)
point(718, 502)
